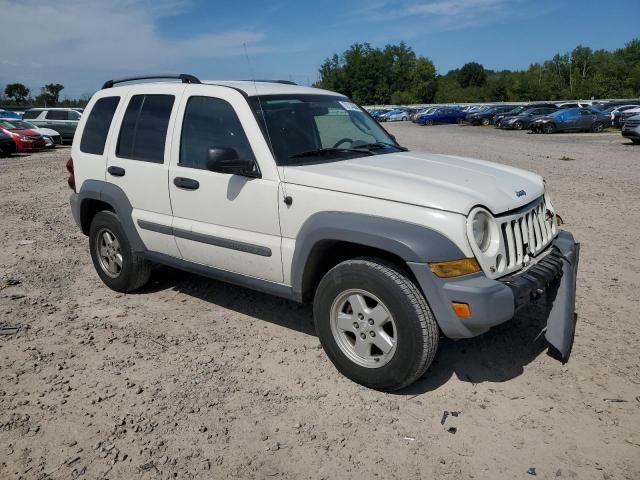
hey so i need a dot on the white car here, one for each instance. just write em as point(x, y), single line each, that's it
point(51, 137)
point(298, 192)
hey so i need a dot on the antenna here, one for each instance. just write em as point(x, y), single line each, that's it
point(264, 118)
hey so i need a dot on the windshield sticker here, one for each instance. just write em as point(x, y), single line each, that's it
point(350, 106)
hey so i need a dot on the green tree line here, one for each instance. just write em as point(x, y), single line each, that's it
point(396, 75)
point(17, 94)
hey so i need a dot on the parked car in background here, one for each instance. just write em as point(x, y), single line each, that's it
point(442, 115)
point(7, 145)
point(571, 119)
point(422, 111)
point(523, 119)
point(627, 114)
point(616, 111)
point(573, 105)
point(9, 114)
point(400, 115)
point(63, 120)
point(631, 129)
point(27, 140)
point(517, 110)
point(51, 137)
point(485, 117)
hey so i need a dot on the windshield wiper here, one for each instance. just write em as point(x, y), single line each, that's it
point(328, 151)
point(380, 145)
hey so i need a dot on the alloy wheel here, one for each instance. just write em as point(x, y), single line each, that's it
point(363, 328)
point(109, 253)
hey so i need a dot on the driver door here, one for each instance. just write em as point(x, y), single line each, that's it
point(229, 222)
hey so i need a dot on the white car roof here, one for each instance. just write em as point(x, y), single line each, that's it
point(248, 87)
point(269, 88)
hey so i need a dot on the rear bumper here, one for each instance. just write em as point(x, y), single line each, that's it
point(74, 202)
point(493, 302)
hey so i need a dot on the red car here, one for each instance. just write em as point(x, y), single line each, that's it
point(26, 140)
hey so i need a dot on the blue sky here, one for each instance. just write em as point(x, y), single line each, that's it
point(80, 43)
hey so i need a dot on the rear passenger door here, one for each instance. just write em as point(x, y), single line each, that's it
point(229, 222)
point(137, 160)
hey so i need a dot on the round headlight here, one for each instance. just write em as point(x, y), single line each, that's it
point(481, 230)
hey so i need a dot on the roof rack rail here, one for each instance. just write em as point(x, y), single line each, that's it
point(284, 82)
point(182, 76)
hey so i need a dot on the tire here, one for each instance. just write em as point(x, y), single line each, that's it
point(636, 141)
point(460, 121)
point(133, 271)
point(517, 125)
point(411, 327)
point(499, 124)
point(486, 122)
point(548, 128)
point(428, 123)
point(597, 127)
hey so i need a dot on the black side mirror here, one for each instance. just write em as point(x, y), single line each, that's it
point(226, 160)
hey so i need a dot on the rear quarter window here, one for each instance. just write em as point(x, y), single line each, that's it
point(96, 129)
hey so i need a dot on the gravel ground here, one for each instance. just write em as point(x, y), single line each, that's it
point(191, 378)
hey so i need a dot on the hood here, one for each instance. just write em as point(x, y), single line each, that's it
point(26, 132)
point(440, 182)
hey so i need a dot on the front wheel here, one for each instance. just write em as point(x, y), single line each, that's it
point(117, 265)
point(428, 123)
point(517, 125)
point(549, 128)
point(486, 122)
point(374, 324)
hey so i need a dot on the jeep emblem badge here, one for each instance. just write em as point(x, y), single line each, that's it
point(520, 193)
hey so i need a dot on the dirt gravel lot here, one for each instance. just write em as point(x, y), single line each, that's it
point(191, 378)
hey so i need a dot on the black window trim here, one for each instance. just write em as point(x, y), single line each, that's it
point(140, 159)
point(258, 173)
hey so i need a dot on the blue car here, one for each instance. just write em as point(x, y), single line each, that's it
point(10, 114)
point(442, 115)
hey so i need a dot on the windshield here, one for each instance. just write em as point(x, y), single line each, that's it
point(315, 128)
point(15, 125)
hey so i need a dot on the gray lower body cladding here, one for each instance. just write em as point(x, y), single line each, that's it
point(493, 302)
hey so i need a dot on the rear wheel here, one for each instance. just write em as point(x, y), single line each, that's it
point(374, 324)
point(117, 265)
point(460, 121)
point(597, 127)
point(549, 128)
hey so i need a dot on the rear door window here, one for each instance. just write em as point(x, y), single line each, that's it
point(143, 132)
point(96, 129)
point(57, 115)
point(31, 114)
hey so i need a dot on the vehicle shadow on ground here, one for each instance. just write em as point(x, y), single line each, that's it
point(496, 356)
point(262, 306)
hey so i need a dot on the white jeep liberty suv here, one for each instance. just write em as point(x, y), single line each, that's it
point(298, 192)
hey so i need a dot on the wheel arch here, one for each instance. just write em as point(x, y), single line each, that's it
point(328, 238)
point(95, 196)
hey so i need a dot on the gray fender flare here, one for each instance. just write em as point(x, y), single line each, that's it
point(114, 196)
point(411, 242)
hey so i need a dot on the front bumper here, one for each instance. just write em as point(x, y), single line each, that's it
point(493, 302)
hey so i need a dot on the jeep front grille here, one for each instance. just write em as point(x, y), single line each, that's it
point(526, 234)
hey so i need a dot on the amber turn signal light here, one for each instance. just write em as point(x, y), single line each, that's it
point(455, 268)
point(462, 309)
